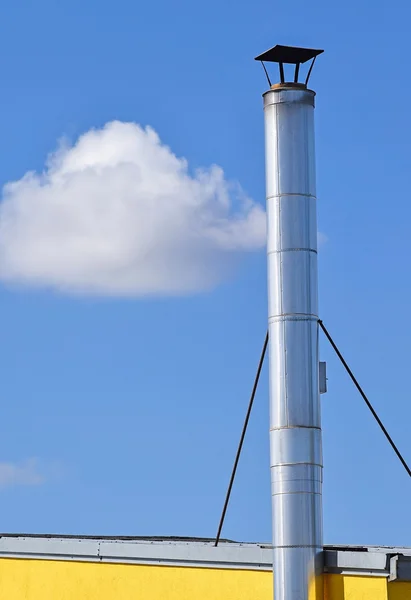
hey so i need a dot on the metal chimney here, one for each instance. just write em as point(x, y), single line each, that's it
point(295, 420)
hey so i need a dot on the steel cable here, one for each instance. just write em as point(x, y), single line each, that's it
point(240, 445)
point(368, 403)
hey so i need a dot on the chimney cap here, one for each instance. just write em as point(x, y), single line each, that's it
point(288, 54)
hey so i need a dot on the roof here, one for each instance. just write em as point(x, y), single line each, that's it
point(391, 562)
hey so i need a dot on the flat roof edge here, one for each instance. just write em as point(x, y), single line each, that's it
point(394, 563)
point(139, 551)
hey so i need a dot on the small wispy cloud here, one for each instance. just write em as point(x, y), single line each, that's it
point(321, 239)
point(27, 473)
point(119, 214)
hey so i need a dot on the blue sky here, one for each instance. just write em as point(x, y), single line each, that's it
point(122, 415)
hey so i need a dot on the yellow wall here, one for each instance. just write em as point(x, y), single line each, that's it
point(59, 580)
point(338, 587)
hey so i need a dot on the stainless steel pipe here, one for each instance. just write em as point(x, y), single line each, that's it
point(295, 420)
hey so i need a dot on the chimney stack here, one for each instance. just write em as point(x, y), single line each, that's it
point(295, 419)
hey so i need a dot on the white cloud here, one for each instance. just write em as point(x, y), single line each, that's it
point(119, 214)
point(26, 473)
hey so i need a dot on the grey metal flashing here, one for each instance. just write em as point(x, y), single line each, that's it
point(348, 562)
point(390, 562)
point(400, 568)
point(139, 551)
